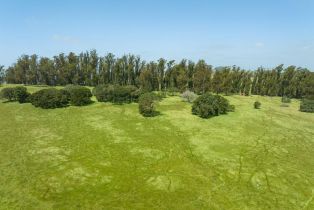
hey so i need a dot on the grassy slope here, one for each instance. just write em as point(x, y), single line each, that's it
point(107, 155)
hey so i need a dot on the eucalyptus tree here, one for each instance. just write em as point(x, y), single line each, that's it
point(47, 74)
point(191, 74)
point(161, 72)
point(60, 66)
point(88, 68)
point(202, 77)
point(2, 74)
point(33, 72)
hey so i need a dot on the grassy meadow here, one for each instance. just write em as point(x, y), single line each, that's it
point(106, 156)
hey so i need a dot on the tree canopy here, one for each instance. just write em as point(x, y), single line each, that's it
point(89, 68)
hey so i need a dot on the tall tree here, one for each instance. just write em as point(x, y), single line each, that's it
point(161, 72)
point(2, 74)
point(202, 77)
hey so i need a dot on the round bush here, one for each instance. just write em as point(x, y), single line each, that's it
point(209, 105)
point(285, 99)
point(147, 105)
point(50, 98)
point(21, 94)
point(116, 93)
point(79, 95)
point(189, 96)
point(307, 105)
point(104, 93)
point(8, 93)
point(257, 105)
point(18, 93)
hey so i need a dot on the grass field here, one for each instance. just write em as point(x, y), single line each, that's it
point(106, 156)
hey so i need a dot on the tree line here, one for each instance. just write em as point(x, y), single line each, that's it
point(90, 69)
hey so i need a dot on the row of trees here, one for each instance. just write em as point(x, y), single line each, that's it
point(90, 69)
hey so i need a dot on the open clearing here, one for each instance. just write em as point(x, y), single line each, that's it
point(105, 156)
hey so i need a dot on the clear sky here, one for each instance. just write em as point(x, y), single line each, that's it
point(248, 33)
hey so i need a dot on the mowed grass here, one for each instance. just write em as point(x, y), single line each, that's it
point(106, 156)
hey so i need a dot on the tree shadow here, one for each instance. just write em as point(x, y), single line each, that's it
point(4, 102)
point(154, 114)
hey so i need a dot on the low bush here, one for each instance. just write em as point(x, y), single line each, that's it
point(8, 93)
point(18, 93)
point(50, 98)
point(189, 96)
point(285, 99)
point(79, 95)
point(307, 105)
point(257, 105)
point(209, 105)
point(21, 94)
point(147, 105)
point(117, 94)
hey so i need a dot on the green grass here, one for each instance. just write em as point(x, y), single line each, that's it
point(105, 156)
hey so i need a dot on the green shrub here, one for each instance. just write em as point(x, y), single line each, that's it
point(307, 105)
point(79, 95)
point(116, 93)
point(70, 87)
point(50, 98)
point(18, 93)
point(8, 93)
point(21, 94)
point(147, 105)
point(285, 99)
point(209, 105)
point(189, 96)
point(257, 105)
point(104, 93)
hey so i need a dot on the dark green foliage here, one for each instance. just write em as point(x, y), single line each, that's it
point(88, 68)
point(104, 93)
point(70, 87)
point(21, 94)
point(50, 98)
point(8, 93)
point(257, 105)
point(2, 74)
point(209, 105)
point(79, 95)
point(147, 105)
point(117, 93)
point(285, 99)
point(307, 105)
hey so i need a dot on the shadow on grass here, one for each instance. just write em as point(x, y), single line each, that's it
point(154, 114)
point(88, 104)
point(4, 102)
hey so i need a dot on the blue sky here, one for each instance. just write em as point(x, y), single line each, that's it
point(248, 33)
